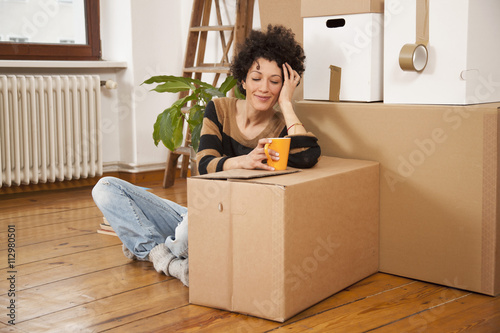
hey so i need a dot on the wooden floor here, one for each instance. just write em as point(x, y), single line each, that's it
point(68, 278)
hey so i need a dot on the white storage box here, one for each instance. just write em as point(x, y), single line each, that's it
point(352, 42)
point(463, 62)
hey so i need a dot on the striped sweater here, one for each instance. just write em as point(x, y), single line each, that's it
point(221, 138)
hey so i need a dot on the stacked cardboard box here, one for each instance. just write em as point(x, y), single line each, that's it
point(439, 184)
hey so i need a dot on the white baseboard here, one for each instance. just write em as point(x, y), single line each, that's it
point(132, 168)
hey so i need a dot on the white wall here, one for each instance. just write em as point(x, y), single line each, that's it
point(150, 36)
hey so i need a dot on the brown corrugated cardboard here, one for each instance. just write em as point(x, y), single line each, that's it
point(273, 246)
point(286, 13)
point(335, 79)
point(311, 8)
point(439, 189)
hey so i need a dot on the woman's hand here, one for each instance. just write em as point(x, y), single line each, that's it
point(290, 81)
point(254, 159)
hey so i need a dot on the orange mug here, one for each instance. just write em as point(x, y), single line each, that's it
point(282, 146)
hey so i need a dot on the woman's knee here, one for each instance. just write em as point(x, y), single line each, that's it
point(101, 190)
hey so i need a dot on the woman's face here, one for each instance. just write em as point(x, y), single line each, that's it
point(263, 84)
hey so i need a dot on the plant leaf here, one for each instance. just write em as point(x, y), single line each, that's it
point(215, 92)
point(201, 83)
point(196, 115)
point(167, 78)
point(156, 128)
point(177, 136)
point(165, 130)
point(238, 94)
point(182, 101)
point(173, 87)
point(195, 136)
point(228, 84)
point(171, 128)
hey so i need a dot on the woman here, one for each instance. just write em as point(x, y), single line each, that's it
point(233, 136)
point(234, 132)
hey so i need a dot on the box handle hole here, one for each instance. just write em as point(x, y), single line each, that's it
point(335, 23)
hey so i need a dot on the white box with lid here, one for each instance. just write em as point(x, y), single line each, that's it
point(463, 58)
point(348, 35)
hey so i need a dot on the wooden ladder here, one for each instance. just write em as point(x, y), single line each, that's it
point(195, 66)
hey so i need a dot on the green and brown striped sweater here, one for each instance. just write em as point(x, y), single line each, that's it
point(221, 138)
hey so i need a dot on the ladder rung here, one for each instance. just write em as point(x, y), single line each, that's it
point(208, 69)
point(213, 28)
point(183, 151)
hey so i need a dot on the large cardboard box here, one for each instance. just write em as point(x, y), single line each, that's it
point(286, 13)
point(273, 246)
point(439, 184)
point(345, 34)
point(463, 64)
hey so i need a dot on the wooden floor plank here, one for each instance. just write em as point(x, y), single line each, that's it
point(452, 311)
point(31, 204)
point(52, 232)
point(479, 315)
point(65, 267)
point(4, 328)
point(59, 247)
point(373, 312)
point(52, 218)
point(66, 294)
point(113, 311)
point(194, 317)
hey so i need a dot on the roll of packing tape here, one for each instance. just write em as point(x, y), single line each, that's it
point(413, 57)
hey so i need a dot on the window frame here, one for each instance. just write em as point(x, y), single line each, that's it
point(40, 51)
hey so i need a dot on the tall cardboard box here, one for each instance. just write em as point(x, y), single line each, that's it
point(345, 34)
point(463, 64)
point(286, 13)
point(273, 246)
point(439, 184)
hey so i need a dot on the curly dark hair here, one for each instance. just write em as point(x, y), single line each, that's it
point(277, 44)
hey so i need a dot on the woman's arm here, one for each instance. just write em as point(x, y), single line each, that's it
point(253, 160)
point(211, 156)
point(290, 81)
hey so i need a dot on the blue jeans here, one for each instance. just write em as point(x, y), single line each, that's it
point(141, 219)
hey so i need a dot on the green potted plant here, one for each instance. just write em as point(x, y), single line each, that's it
point(169, 124)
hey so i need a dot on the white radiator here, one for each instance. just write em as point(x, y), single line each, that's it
point(49, 128)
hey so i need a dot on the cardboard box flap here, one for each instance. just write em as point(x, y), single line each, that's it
point(293, 176)
point(245, 174)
